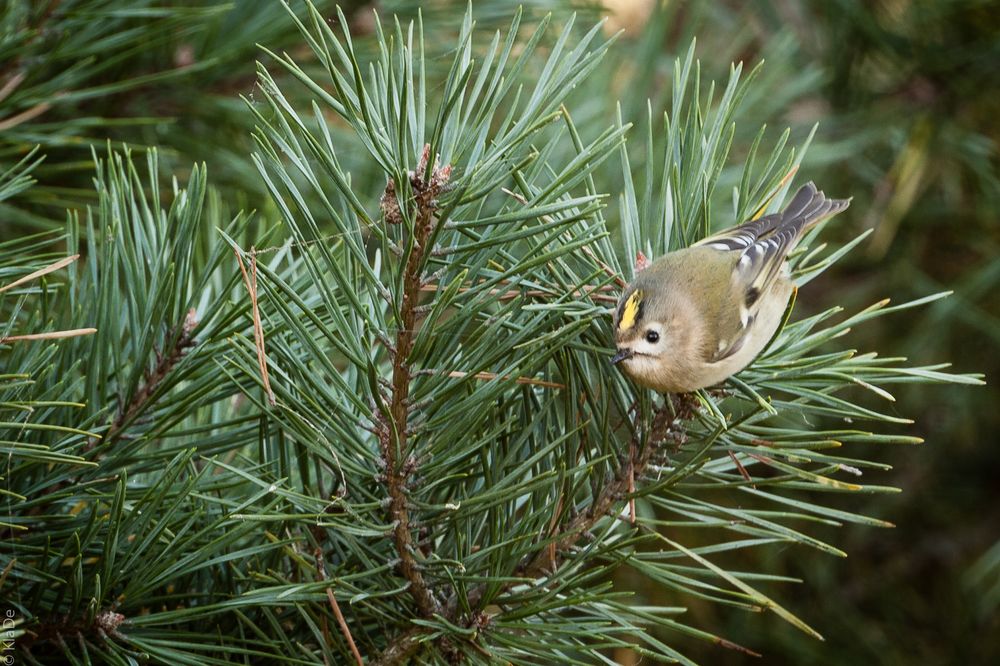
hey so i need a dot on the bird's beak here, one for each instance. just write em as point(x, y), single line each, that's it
point(621, 356)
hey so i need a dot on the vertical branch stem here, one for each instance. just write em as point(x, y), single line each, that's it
point(394, 434)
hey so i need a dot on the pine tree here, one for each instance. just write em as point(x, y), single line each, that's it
point(380, 425)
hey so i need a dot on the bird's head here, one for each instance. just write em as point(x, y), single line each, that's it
point(640, 338)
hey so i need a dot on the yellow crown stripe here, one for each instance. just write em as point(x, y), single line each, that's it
point(630, 311)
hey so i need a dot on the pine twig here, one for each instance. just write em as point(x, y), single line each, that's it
point(548, 559)
point(24, 116)
point(250, 281)
point(663, 420)
point(11, 85)
point(65, 261)
point(139, 401)
point(49, 335)
point(344, 629)
point(394, 427)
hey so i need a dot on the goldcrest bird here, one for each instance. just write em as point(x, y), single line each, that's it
point(697, 316)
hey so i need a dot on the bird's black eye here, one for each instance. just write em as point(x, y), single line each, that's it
point(652, 337)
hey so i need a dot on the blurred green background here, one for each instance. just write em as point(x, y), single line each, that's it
point(907, 97)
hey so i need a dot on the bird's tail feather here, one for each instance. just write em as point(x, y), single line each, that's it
point(808, 208)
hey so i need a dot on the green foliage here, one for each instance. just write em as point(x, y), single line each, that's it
point(76, 72)
point(394, 424)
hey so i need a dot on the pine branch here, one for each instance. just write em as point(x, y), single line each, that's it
point(512, 291)
point(667, 419)
point(166, 360)
point(448, 341)
point(394, 431)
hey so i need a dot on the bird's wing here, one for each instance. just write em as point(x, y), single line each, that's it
point(735, 323)
point(762, 245)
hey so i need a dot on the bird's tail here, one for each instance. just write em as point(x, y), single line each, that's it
point(808, 208)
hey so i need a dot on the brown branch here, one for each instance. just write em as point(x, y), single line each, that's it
point(165, 363)
point(394, 427)
point(615, 491)
point(11, 85)
point(619, 280)
point(344, 629)
point(393, 440)
point(548, 559)
point(104, 624)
